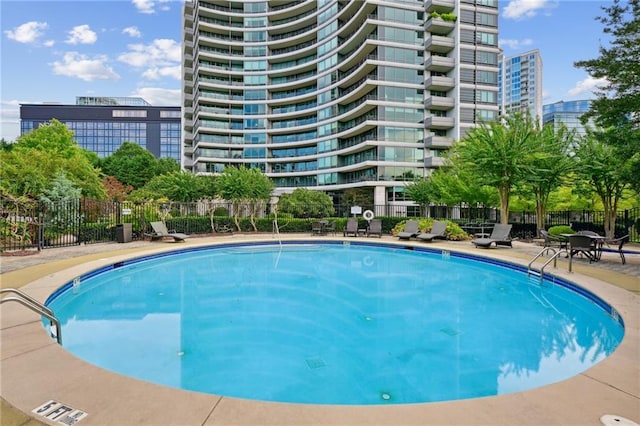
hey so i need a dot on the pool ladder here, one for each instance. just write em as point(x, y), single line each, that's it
point(540, 272)
point(37, 307)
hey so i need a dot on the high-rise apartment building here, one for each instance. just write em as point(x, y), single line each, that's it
point(101, 124)
point(335, 94)
point(568, 114)
point(521, 84)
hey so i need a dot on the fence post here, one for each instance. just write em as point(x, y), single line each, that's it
point(40, 218)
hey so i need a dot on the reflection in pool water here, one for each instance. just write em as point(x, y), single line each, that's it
point(333, 324)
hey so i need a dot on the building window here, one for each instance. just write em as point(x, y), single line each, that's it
point(129, 113)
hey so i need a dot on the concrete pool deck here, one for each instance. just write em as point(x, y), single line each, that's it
point(36, 370)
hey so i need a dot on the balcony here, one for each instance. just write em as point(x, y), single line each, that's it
point(438, 102)
point(438, 142)
point(434, 161)
point(441, 123)
point(440, 44)
point(440, 63)
point(439, 83)
point(440, 6)
point(439, 26)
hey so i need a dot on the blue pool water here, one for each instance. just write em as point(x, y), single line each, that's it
point(333, 324)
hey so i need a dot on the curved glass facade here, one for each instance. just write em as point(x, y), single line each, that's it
point(330, 94)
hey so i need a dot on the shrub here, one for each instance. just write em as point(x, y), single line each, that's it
point(560, 229)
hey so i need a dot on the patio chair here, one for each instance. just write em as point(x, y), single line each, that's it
point(500, 236)
point(330, 228)
point(410, 230)
point(160, 232)
point(620, 242)
point(438, 231)
point(375, 228)
point(351, 228)
point(317, 228)
point(581, 245)
point(552, 242)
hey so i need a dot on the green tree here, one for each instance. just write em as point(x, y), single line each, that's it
point(37, 157)
point(357, 197)
point(421, 191)
point(175, 186)
point(498, 154)
point(166, 165)
point(303, 202)
point(246, 189)
point(617, 104)
point(619, 64)
point(131, 164)
point(551, 165)
point(60, 189)
point(598, 162)
point(207, 186)
point(453, 185)
point(62, 199)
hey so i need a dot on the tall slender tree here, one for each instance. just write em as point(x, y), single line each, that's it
point(498, 154)
point(551, 165)
point(598, 162)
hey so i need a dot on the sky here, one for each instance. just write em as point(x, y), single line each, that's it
point(54, 51)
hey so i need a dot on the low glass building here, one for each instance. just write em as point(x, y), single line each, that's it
point(102, 124)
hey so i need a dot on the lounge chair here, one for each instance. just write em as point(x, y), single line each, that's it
point(351, 228)
point(499, 236)
point(410, 230)
point(375, 228)
point(160, 232)
point(438, 230)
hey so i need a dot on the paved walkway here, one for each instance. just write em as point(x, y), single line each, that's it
point(609, 262)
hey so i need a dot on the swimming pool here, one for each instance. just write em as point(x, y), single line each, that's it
point(333, 323)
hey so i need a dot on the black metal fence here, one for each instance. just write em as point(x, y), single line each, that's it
point(38, 225)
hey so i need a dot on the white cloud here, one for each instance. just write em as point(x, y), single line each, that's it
point(49, 43)
point(28, 32)
point(82, 34)
point(80, 66)
point(160, 58)
point(515, 44)
point(150, 6)
point(160, 97)
point(157, 73)
point(144, 6)
point(521, 9)
point(132, 32)
point(588, 85)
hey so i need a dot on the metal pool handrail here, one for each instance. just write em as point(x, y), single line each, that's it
point(37, 307)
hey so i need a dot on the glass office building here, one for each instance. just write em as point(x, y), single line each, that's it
point(102, 124)
point(521, 84)
point(335, 94)
point(567, 114)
